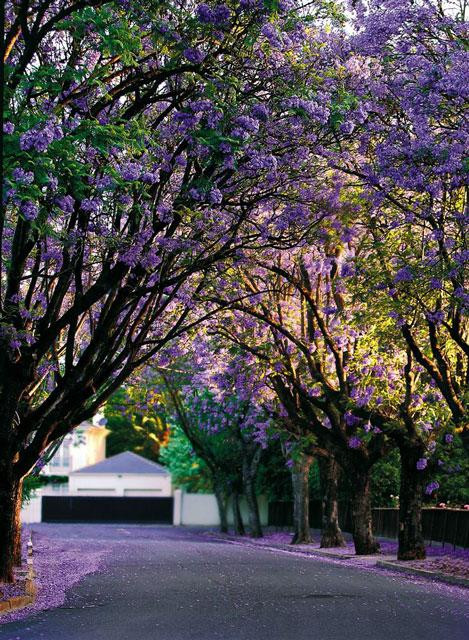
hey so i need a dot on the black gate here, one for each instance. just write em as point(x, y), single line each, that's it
point(106, 509)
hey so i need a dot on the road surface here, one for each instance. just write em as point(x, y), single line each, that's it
point(162, 583)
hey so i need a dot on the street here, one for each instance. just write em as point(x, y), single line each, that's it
point(162, 583)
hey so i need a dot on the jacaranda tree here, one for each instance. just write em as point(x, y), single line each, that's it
point(131, 163)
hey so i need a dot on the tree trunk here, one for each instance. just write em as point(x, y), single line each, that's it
point(221, 503)
point(10, 532)
point(331, 534)
point(300, 485)
point(249, 467)
point(17, 526)
point(363, 539)
point(253, 509)
point(237, 517)
point(411, 542)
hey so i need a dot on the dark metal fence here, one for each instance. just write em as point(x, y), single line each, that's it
point(447, 526)
point(106, 509)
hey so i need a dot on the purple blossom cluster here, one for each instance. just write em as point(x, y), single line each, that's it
point(354, 442)
point(194, 55)
point(22, 176)
point(40, 137)
point(218, 15)
point(421, 464)
point(29, 210)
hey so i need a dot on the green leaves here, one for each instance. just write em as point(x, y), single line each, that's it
point(342, 102)
point(213, 139)
point(272, 6)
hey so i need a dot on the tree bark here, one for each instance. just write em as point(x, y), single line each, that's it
point(251, 500)
point(300, 485)
point(253, 509)
point(10, 527)
point(331, 534)
point(249, 468)
point(237, 517)
point(411, 542)
point(17, 526)
point(221, 503)
point(365, 543)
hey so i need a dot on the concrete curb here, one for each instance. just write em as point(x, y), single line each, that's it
point(16, 602)
point(433, 575)
point(20, 602)
point(286, 547)
point(307, 552)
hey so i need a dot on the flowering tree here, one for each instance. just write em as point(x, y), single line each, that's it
point(218, 397)
point(309, 348)
point(219, 450)
point(342, 374)
point(132, 160)
point(407, 151)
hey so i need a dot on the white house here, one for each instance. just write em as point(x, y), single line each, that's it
point(125, 474)
point(85, 446)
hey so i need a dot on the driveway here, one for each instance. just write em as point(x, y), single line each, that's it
point(163, 583)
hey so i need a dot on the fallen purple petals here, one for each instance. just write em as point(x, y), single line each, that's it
point(59, 564)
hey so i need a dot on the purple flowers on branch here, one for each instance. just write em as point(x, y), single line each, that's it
point(218, 15)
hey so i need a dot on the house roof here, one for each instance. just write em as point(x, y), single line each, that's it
point(126, 462)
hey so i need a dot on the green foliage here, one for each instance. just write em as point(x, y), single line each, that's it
point(32, 482)
point(385, 479)
point(274, 477)
point(453, 475)
point(53, 479)
point(343, 103)
point(314, 482)
point(188, 471)
point(30, 485)
point(133, 428)
point(272, 6)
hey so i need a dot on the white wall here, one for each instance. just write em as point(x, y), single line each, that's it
point(127, 484)
point(199, 509)
point(32, 512)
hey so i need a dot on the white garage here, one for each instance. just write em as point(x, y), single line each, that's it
point(125, 474)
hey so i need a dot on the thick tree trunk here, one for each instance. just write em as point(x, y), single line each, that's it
point(237, 517)
point(331, 534)
point(251, 458)
point(255, 529)
point(10, 527)
point(17, 526)
point(300, 485)
point(411, 542)
point(221, 503)
point(363, 539)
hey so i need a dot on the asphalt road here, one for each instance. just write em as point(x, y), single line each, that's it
point(169, 584)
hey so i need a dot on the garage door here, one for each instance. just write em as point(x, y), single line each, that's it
point(107, 509)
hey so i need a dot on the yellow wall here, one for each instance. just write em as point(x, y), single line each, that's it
point(95, 444)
